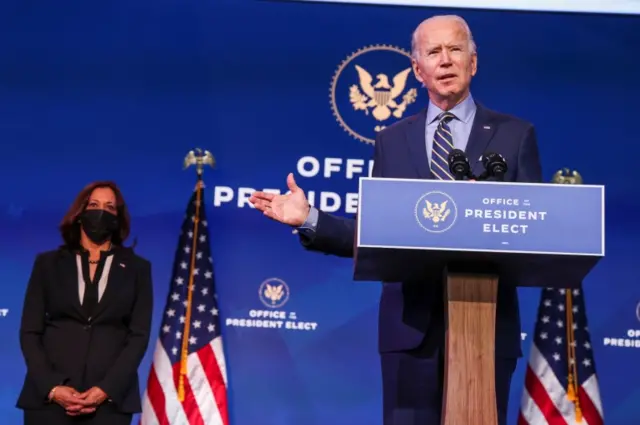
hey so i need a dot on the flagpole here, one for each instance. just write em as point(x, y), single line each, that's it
point(565, 176)
point(198, 159)
point(572, 390)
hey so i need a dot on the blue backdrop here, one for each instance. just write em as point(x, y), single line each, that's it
point(122, 90)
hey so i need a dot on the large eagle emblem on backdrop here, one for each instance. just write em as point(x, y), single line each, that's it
point(380, 98)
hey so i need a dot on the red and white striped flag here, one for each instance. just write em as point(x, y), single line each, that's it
point(187, 383)
point(561, 385)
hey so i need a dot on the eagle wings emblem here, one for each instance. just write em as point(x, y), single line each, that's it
point(436, 212)
point(566, 176)
point(274, 293)
point(380, 97)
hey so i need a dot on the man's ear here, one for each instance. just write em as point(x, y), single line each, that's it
point(474, 64)
point(416, 70)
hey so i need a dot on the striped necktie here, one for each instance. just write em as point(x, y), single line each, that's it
point(442, 147)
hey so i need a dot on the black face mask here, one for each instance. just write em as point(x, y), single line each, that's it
point(98, 225)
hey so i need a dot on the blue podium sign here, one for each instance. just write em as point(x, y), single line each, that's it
point(518, 218)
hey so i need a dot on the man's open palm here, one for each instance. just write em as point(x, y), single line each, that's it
point(291, 209)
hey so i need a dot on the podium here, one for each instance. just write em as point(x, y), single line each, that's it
point(478, 235)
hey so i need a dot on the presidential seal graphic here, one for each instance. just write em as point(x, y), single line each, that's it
point(373, 88)
point(436, 212)
point(274, 293)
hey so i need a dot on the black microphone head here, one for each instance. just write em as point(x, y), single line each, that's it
point(457, 155)
point(494, 164)
point(459, 164)
point(488, 157)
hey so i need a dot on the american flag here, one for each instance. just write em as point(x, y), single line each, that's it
point(561, 385)
point(187, 382)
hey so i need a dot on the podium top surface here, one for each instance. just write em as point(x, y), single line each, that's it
point(480, 182)
point(489, 217)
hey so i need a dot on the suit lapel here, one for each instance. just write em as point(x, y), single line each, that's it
point(68, 275)
point(118, 275)
point(482, 131)
point(417, 144)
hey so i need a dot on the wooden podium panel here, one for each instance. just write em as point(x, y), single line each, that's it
point(469, 395)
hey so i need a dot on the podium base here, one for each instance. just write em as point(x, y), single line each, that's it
point(469, 395)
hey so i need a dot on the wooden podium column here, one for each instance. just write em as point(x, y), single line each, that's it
point(469, 396)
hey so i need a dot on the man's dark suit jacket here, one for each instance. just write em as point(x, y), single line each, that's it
point(412, 313)
point(61, 346)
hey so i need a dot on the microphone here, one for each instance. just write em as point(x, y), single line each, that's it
point(459, 164)
point(495, 167)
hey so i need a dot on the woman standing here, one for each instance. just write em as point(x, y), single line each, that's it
point(86, 318)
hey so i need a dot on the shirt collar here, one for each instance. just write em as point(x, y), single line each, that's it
point(463, 110)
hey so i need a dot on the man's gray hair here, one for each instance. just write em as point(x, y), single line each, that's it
point(414, 38)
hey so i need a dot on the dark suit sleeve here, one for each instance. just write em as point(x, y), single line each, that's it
point(335, 235)
point(122, 373)
point(39, 368)
point(529, 168)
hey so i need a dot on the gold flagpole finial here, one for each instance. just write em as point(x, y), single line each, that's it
point(199, 158)
point(567, 176)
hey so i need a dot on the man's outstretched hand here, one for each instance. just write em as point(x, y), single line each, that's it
point(292, 208)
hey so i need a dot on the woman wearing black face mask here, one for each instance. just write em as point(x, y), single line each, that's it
point(86, 319)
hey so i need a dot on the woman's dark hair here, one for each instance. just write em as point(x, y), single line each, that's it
point(70, 225)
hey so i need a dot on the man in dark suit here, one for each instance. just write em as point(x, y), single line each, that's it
point(411, 321)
